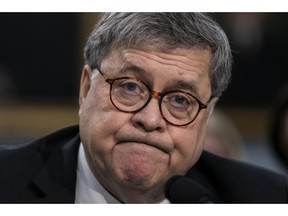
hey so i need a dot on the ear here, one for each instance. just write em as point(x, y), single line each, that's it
point(211, 106)
point(85, 84)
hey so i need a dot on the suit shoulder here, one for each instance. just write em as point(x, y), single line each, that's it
point(222, 164)
point(230, 168)
point(49, 141)
point(238, 181)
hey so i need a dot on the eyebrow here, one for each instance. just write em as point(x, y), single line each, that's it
point(131, 67)
point(185, 85)
point(174, 85)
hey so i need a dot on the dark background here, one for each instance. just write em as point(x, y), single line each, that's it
point(259, 43)
point(40, 58)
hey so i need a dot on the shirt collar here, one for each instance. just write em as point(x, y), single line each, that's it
point(88, 188)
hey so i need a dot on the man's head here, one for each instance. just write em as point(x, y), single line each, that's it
point(149, 85)
point(166, 32)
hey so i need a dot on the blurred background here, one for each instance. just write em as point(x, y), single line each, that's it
point(41, 62)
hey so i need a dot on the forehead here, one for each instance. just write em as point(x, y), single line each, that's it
point(196, 59)
point(178, 67)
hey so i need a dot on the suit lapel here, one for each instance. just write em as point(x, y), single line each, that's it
point(47, 190)
point(200, 174)
point(56, 182)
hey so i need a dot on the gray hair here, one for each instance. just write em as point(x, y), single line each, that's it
point(165, 31)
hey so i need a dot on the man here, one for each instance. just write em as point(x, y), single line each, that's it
point(148, 87)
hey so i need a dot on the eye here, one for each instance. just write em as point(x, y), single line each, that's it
point(179, 105)
point(129, 93)
point(130, 87)
point(179, 101)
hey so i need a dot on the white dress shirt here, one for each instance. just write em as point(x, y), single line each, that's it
point(88, 188)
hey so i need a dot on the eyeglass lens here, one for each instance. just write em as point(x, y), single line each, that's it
point(131, 95)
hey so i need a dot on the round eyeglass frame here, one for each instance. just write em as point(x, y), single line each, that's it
point(152, 94)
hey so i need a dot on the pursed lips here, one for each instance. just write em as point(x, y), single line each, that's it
point(154, 144)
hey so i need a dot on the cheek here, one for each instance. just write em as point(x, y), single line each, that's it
point(189, 143)
point(98, 125)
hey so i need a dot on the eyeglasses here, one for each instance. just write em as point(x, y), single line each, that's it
point(130, 95)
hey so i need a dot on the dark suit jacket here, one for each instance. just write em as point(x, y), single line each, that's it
point(44, 171)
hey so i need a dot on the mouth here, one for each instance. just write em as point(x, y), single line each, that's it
point(150, 144)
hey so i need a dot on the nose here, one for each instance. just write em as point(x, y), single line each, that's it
point(150, 117)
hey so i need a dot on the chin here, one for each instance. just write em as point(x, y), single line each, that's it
point(137, 179)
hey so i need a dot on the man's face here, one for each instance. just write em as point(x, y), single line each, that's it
point(140, 151)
